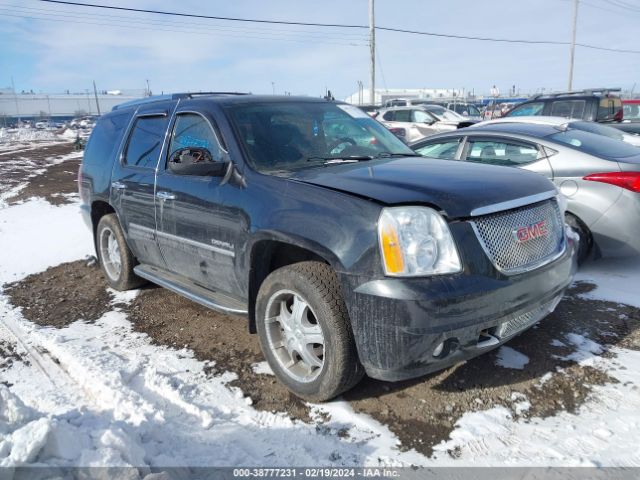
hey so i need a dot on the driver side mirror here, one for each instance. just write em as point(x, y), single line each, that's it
point(196, 161)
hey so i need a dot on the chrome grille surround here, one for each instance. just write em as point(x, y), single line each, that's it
point(497, 235)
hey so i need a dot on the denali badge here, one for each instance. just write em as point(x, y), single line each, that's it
point(530, 232)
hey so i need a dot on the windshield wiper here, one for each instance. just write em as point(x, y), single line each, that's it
point(388, 155)
point(345, 159)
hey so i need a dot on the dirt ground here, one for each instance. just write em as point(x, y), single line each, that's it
point(420, 412)
point(56, 183)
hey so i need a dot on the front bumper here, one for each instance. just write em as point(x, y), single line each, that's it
point(399, 323)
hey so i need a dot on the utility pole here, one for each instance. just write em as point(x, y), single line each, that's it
point(95, 93)
point(372, 45)
point(573, 42)
point(15, 97)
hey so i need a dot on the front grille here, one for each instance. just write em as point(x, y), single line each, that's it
point(523, 238)
point(525, 320)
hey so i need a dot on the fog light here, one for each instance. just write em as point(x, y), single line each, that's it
point(438, 350)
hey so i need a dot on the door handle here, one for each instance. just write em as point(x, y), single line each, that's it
point(118, 185)
point(165, 195)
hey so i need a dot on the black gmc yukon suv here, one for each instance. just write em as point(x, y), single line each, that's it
point(346, 252)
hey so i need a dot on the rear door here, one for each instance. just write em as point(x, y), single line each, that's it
point(133, 181)
point(507, 152)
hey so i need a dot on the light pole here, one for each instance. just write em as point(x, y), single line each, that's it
point(573, 43)
point(372, 47)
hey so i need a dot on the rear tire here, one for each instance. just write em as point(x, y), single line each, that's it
point(586, 239)
point(305, 331)
point(116, 259)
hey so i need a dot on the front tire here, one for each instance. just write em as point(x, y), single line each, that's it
point(586, 240)
point(305, 331)
point(116, 259)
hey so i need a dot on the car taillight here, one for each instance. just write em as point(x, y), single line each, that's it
point(398, 132)
point(628, 180)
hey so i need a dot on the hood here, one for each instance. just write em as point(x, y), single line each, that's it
point(455, 187)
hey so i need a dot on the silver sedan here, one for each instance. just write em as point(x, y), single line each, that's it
point(599, 176)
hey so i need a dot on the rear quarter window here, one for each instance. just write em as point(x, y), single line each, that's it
point(105, 138)
point(608, 108)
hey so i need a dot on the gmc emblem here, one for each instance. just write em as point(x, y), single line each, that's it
point(530, 232)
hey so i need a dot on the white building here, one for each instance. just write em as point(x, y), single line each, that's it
point(384, 94)
point(30, 105)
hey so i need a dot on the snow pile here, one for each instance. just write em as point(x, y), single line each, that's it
point(26, 135)
point(23, 433)
point(69, 134)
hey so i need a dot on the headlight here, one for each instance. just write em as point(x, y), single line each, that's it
point(416, 241)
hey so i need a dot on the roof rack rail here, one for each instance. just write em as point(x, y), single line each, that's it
point(198, 94)
point(586, 91)
point(173, 96)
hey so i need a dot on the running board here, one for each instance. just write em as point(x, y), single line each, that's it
point(208, 298)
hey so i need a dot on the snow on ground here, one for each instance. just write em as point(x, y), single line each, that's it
point(25, 135)
point(509, 358)
point(618, 280)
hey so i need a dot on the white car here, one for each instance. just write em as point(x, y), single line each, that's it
point(593, 127)
point(419, 121)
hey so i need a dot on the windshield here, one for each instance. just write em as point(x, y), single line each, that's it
point(594, 144)
point(598, 129)
point(442, 113)
point(294, 135)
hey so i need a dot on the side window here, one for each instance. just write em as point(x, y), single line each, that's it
point(402, 116)
point(388, 116)
point(527, 109)
point(421, 117)
point(568, 108)
point(193, 131)
point(500, 153)
point(608, 107)
point(106, 137)
point(145, 142)
point(445, 150)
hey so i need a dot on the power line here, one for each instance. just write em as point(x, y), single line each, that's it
point(177, 30)
point(128, 23)
point(210, 17)
point(336, 25)
point(120, 18)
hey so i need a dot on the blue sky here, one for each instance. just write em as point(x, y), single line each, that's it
point(122, 50)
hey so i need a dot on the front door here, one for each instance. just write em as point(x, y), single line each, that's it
point(132, 182)
point(188, 209)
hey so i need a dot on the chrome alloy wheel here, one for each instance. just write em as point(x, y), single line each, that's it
point(294, 336)
point(110, 253)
